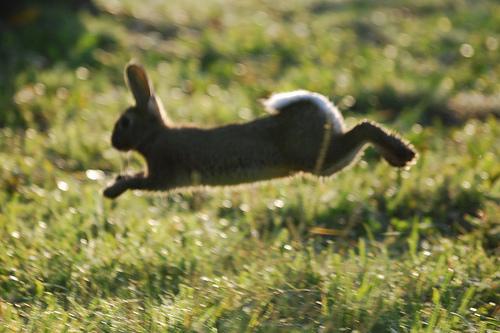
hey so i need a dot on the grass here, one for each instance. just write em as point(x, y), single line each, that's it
point(372, 249)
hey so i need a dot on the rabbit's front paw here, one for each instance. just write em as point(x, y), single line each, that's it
point(115, 190)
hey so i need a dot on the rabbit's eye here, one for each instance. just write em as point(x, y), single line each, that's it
point(125, 122)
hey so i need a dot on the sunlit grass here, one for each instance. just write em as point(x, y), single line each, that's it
point(371, 249)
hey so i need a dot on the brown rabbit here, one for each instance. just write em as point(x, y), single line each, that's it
point(305, 133)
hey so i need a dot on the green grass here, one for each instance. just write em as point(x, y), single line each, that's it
point(372, 249)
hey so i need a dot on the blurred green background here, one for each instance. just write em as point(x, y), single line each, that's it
point(372, 249)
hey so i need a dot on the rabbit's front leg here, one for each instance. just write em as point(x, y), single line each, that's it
point(126, 182)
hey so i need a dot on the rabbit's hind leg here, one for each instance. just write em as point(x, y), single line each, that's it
point(345, 148)
point(394, 149)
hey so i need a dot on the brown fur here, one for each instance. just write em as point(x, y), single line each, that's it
point(298, 138)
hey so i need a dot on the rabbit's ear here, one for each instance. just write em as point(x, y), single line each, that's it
point(155, 107)
point(139, 84)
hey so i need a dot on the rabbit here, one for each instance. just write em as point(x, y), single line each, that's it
point(304, 133)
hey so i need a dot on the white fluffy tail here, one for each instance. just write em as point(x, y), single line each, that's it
point(279, 101)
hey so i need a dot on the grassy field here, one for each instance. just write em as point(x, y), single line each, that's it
point(372, 249)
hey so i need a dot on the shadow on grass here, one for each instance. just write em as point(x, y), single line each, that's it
point(36, 36)
point(449, 110)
